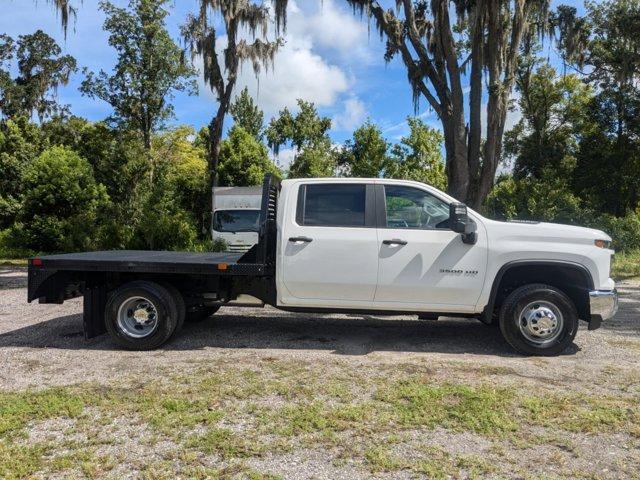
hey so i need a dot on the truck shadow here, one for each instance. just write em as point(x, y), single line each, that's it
point(272, 329)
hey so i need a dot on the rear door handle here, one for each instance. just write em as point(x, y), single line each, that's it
point(394, 241)
point(300, 239)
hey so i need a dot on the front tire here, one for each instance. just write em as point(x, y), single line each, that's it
point(538, 319)
point(141, 315)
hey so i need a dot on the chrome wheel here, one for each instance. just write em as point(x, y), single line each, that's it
point(541, 322)
point(137, 317)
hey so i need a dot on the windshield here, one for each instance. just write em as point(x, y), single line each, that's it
point(236, 220)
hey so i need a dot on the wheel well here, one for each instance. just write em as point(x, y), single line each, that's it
point(574, 280)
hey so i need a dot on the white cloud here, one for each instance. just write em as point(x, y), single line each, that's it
point(353, 114)
point(302, 68)
point(297, 73)
point(338, 29)
point(285, 157)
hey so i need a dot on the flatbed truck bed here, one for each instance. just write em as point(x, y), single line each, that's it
point(151, 262)
point(202, 281)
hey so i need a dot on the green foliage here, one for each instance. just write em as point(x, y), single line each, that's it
point(317, 160)
point(553, 110)
point(547, 199)
point(367, 154)
point(247, 114)
point(243, 160)
point(19, 145)
point(62, 204)
point(626, 264)
point(149, 61)
point(162, 225)
point(625, 231)
point(306, 132)
point(304, 129)
point(41, 69)
point(418, 156)
point(605, 43)
point(173, 199)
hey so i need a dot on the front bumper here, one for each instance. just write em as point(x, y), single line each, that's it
point(603, 305)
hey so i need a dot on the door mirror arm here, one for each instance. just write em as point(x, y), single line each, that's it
point(460, 222)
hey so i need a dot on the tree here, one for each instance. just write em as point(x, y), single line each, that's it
point(439, 41)
point(545, 140)
point(244, 160)
point(62, 204)
point(418, 156)
point(221, 76)
point(20, 144)
point(247, 114)
point(605, 46)
point(150, 68)
point(41, 70)
point(367, 154)
point(306, 132)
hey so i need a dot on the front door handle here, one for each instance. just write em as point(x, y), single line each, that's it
point(394, 241)
point(300, 239)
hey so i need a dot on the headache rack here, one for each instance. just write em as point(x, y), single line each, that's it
point(264, 252)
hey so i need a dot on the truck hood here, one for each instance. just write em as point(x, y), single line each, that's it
point(544, 231)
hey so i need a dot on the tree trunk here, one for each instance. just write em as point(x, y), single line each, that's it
point(215, 137)
point(216, 128)
point(457, 167)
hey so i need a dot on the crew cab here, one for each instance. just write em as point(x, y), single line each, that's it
point(353, 245)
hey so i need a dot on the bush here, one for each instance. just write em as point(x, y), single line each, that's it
point(61, 206)
point(549, 200)
point(625, 231)
point(163, 225)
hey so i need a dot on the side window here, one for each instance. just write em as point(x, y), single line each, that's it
point(414, 208)
point(334, 205)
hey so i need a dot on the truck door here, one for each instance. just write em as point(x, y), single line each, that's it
point(330, 246)
point(422, 263)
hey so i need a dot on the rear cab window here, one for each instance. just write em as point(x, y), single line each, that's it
point(335, 205)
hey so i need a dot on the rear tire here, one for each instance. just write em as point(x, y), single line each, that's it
point(141, 315)
point(179, 299)
point(538, 319)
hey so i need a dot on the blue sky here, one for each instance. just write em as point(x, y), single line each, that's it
point(330, 57)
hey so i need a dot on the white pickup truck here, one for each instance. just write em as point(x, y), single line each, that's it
point(354, 245)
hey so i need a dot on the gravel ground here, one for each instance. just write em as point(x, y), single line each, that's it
point(42, 346)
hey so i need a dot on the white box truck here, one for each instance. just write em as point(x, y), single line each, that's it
point(236, 211)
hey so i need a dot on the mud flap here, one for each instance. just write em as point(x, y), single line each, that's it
point(95, 300)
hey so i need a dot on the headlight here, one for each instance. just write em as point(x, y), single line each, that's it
point(602, 243)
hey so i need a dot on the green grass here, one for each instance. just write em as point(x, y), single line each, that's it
point(626, 265)
point(225, 443)
point(19, 408)
point(13, 262)
point(20, 461)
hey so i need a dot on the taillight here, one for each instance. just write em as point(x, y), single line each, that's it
point(36, 262)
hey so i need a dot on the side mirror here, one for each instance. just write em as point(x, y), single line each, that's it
point(458, 217)
point(460, 222)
